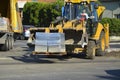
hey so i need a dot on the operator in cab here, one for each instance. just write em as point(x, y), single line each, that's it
point(83, 16)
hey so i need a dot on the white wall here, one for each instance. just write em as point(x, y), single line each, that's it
point(21, 4)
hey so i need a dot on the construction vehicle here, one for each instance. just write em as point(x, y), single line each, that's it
point(74, 32)
point(10, 24)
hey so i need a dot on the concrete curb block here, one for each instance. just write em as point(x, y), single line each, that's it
point(114, 38)
point(6, 58)
point(113, 50)
point(113, 41)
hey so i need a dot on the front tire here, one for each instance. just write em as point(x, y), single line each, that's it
point(90, 52)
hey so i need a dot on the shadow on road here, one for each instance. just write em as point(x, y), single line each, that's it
point(113, 75)
point(27, 58)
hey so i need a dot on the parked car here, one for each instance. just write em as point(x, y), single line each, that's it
point(26, 32)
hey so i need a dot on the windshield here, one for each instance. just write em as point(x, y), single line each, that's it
point(67, 11)
point(83, 9)
point(72, 11)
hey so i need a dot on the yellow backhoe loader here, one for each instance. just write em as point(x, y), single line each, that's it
point(78, 30)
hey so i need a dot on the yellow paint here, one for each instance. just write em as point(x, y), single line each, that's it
point(105, 28)
point(47, 30)
point(107, 34)
point(98, 31)
point(78, 50)
point(79, 1)
point(16, 22)
point(100, 10)
point(67, 24)
point(79, 27)
point(103, 43)
point(60, 30)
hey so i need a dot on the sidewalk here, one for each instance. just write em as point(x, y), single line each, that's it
point(114, 44)
point(114, 38)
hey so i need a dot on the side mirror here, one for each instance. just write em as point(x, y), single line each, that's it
point(63, 11)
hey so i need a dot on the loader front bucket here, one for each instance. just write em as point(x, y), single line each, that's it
point(49, 42)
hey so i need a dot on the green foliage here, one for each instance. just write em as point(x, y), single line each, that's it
point(99, 2)
point(41, 14)
point(114, 25)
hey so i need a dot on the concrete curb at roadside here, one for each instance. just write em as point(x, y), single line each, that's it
point(113, 50)
point(114, 38)
point(6, 58)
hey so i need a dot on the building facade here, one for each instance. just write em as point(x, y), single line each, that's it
point(112, 8)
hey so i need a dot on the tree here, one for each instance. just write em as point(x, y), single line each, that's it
point(41, 14)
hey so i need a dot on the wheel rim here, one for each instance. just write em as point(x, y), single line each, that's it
point(103, 43)
point(93, 52)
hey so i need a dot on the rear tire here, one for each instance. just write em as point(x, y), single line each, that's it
point(90, 52)
point(5, 46)
point(101, 43)
point(11, 42)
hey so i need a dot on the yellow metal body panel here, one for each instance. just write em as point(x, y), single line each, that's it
point(104, 28)
point(15, 19)
point(13, 14)
point(9, 9)
point(107, 34)
point(47, 30)
point(68, 25)
point(98, 31)
point(79, 1)
point(100, 10)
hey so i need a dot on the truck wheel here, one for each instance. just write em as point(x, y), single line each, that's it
point(11, 42)
point(90, 52)
point(5, 46)
point(101, 43)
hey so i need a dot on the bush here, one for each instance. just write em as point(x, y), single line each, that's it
point(41, 14)
point(114, 25)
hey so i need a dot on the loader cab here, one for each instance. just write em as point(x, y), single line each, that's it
point(72, 11)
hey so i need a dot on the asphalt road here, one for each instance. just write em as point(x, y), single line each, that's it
point(18, 65)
